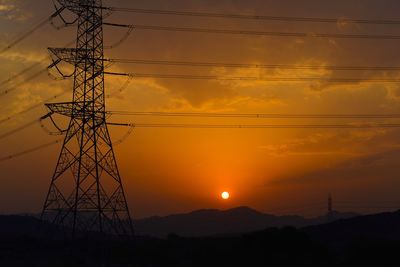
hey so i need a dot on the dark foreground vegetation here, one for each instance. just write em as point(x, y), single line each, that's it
point(271, 247)
point(372, 240)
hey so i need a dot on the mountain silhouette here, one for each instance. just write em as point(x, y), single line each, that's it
point(377, 226)
point(206, 222)
point(218, 222)
point(371, 240)
point(17, 225)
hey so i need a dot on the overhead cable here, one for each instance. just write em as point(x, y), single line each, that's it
point(28, 151)
point(15, 87)
point(254, 17)
point(259, 33)
point(258, 66)
point(257, 126)
point(255, 115)
point(19, 129)
point(8, 118)
point(255, 78)
point(25, 35)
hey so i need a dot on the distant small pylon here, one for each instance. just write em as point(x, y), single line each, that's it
point(330, 208)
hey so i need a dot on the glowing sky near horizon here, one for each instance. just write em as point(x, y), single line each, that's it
point(178, 170)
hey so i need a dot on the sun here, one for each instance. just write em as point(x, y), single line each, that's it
point(225, 195)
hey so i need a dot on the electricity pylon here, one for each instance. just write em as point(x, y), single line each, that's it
point(330, 208)
point(86, 192)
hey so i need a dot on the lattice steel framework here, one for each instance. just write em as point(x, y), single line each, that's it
point(86, 192)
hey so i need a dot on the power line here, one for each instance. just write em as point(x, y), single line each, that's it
point(25, 35)
point(253, 78)
point(244, 65)
point(369, 207)
point(258, 33)
point(24, 71)
point(362, 202)
point(257, 126)
point(39, 104)
point(316, 205)
point(28, 151)
point(255, 115)
point(15, 87)
point(19, 129)
point(253, 17)
point(228, 126)
point(201, 126)
point(297, 208)
point(30, 108)
point(21, 73)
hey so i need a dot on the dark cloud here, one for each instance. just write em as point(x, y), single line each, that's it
point(380, 166)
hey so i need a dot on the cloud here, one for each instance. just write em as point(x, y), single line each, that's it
point(339, 157)
point(344, 23)
point(11, 10)
point(7, 5)
point(311, 145)
point(24, 57)
point(355, 142)
point(380, 166)
point(4, 7)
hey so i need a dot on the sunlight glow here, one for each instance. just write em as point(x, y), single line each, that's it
point(225, 195)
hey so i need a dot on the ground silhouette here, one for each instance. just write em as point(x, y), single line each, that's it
point(372, 240)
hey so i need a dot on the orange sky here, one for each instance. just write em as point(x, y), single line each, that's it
point(177, 170)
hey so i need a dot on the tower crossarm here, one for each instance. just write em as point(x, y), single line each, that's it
point(76, 6)
point(72, 56)
point(77, 110)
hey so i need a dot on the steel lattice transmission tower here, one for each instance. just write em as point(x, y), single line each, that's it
point(86, 192)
